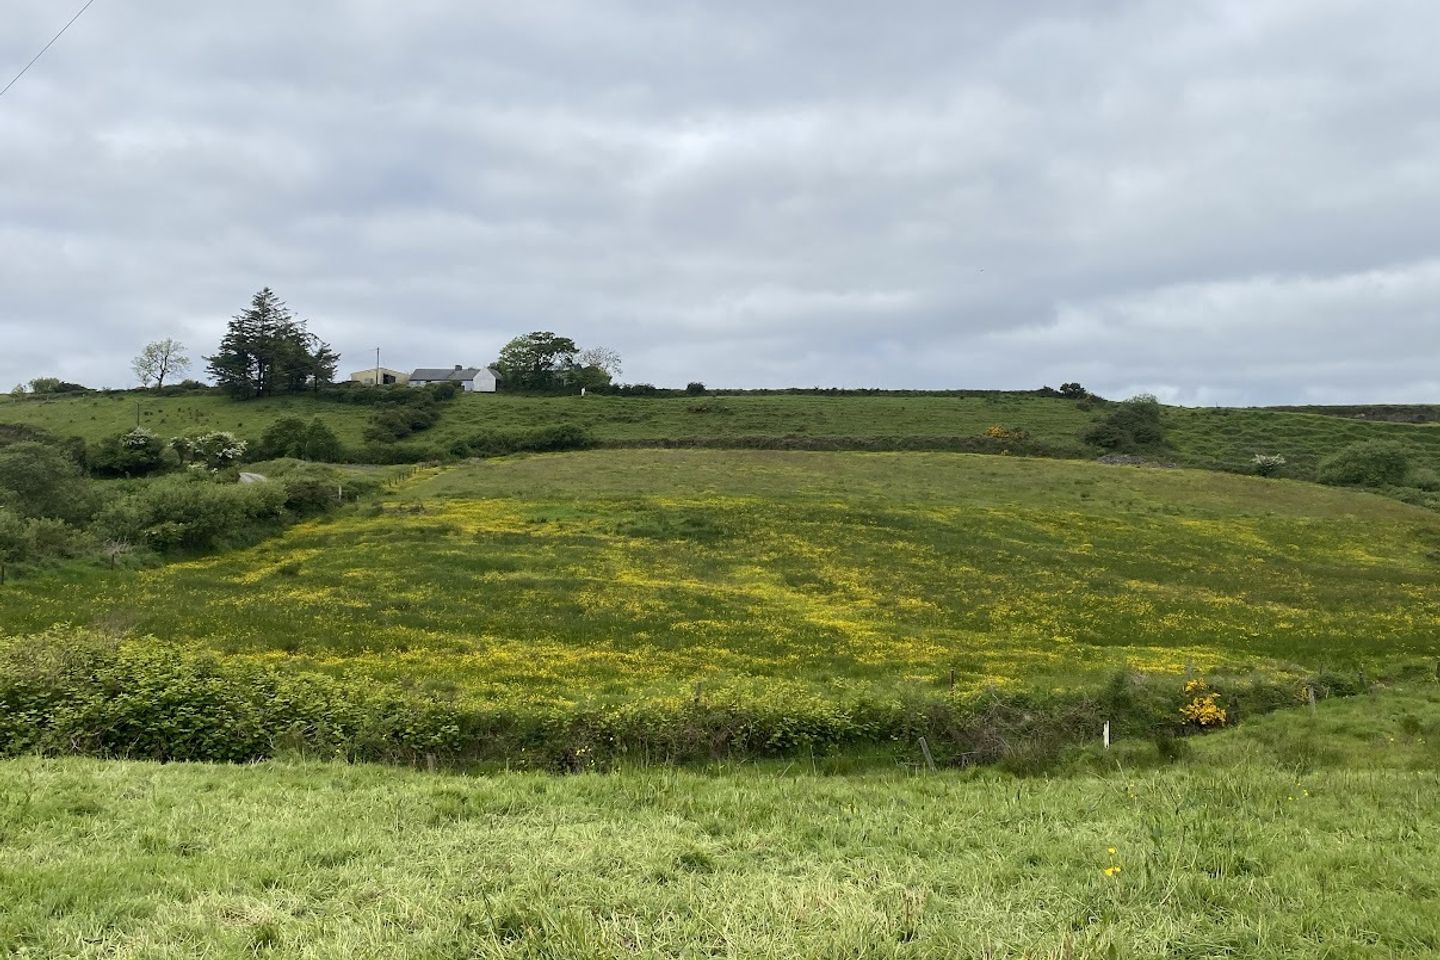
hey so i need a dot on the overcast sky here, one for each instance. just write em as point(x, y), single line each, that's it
point(1218, 202)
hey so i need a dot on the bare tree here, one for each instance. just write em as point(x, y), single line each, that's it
point(159, 360)
point(602, 358)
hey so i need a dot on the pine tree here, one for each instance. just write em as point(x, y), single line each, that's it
point(266, 350)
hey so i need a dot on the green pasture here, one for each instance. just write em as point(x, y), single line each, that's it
point(1205, 437)
point(1292, 836)
point(1049, 420)
point(617, 575)
point(1229, 438)
point(97, 416)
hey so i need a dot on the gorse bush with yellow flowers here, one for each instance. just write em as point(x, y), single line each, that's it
point(1203, 710)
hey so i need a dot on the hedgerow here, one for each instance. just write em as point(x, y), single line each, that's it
point(68, 691)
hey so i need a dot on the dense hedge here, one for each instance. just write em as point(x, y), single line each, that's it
point(497, 443)
point(75, 692)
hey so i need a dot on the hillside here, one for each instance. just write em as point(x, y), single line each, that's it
point(1291, 836)
point(1220, 438)
point(767, 578)
point(96, 416)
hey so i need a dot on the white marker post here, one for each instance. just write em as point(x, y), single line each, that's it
point(1106, 735)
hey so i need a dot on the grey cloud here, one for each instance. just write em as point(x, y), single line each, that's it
point(1222, 202)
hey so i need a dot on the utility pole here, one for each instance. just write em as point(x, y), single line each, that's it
point(377, 366)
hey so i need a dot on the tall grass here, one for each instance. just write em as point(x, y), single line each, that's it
point(1290, 837)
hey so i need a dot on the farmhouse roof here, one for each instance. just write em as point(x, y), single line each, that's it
point(449, 373)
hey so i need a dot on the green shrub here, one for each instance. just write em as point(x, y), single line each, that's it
point(1424, 478)
point(1132, 425)
point(496, 443)
point(321, 443)
point(190, 512)
point(283, 438)
point(1369, 463)
point(39, 480)
point(293, 437)
point(134, 453)
point(313, 488)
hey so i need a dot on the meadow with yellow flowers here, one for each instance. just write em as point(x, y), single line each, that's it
point(888, 675)
point(568, 581)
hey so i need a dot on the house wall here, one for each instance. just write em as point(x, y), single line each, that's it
point(484, 382)
point(367, 377)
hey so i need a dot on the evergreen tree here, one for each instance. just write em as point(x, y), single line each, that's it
point(266, 350)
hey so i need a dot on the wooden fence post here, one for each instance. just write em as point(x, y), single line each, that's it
point(925, 749)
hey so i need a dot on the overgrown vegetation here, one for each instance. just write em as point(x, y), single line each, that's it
point(72, 692)
point(51, 510)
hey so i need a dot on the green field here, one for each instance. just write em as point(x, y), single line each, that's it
point(1205, 437)
point(619, 609)
point(95, 417)
point(1290, 837)
point(637, 574)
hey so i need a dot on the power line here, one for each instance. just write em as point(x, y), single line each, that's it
point(46, 47)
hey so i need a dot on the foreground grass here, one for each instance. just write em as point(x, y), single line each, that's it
point(1293, 836)
point(614, 575)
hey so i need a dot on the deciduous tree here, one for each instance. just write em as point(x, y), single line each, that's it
point(537, 361)
point(159, 360)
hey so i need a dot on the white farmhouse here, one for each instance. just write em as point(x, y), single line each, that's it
point(471, 379)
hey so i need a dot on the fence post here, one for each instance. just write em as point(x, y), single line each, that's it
point(925, 749)
point(1106, 735)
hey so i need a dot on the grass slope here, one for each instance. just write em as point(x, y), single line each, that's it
point(1290, 837)
point(631, 574)
point(1228, 438)
point(1206, 437)
point(95, 417)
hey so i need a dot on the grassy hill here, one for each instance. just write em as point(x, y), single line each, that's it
point(1228, 438)
point(775, 582)
point(1292, 836)
point(96, 416)
point(1206, 437)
